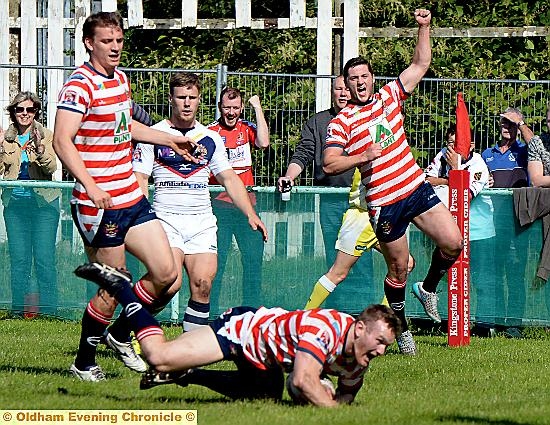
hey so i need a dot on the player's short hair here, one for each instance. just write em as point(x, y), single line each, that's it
point(21, 97)
point(353, 62)
point(231, 93)
point(335, 78)
point(185, 79)
point(376, 312)
point(100, 19)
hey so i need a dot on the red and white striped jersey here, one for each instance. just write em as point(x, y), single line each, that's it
point(239, 142)
point(395, 174)
point(272, 336)
point(104, 139)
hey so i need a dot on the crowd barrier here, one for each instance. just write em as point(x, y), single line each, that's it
point(504, 290)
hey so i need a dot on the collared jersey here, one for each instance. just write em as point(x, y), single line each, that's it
point(394, 175)
point(239, 142)
point(509, 169)
point(181, 187)
point(477, 170)
point(273, 336)
point(104, 139)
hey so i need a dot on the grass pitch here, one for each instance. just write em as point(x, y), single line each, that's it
point(494, 381)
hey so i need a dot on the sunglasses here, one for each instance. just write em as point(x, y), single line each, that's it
point(29, 110)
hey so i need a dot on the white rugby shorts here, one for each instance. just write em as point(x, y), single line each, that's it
point(192, 233)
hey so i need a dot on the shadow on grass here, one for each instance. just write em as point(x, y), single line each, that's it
point(37, 370)
point(479, 420)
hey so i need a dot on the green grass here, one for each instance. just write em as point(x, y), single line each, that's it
point(493, 381)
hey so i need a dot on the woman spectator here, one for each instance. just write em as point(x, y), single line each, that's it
point(31, 215)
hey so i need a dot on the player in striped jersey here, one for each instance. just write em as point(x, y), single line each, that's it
point(263, 343)
point(93, 139)
point(369, 134)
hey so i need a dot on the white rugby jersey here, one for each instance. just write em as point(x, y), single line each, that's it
point(477, 169)
point(395, 174)
point(272, 336)
point(181, 187)
point(104, 139)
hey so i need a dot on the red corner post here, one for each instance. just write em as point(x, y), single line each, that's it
point(459, 274)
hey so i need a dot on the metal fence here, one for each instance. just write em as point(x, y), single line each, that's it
point(289, 100)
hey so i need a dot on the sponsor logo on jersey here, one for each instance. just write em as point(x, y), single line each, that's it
point(122, 127)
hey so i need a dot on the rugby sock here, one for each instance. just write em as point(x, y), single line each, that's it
point(120, 329)
point(238, 384)
point(138, 318)
point(322, 289)
point(441, 262)
point(196, 315)
point(395, 294)
point(94, 324)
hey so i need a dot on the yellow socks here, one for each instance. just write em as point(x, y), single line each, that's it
point(320, 293)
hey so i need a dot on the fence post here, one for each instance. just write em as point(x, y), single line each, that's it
point(221, 82)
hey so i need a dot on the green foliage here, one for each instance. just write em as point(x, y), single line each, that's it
point(292, 51)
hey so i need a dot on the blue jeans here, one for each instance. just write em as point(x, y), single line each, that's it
point(32, 232)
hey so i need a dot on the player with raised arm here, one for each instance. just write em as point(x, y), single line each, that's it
point(369, 134)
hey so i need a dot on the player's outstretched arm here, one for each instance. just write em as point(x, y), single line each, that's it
point(422, 57)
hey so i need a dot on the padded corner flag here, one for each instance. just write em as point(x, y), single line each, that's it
point(463, 136)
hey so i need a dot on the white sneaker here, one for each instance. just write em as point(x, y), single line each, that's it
point(91, 373)
point(126, 353)
point(406, 344)
point(428, 300)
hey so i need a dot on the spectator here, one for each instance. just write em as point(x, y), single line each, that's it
point(482, 228)
point(507, 160)
point(181, 197)
point(538, 168)
point(310, 148)
point(263, 343)
point(240, 137)
point(93, 138)
point(507, 163)
point(31, 215)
